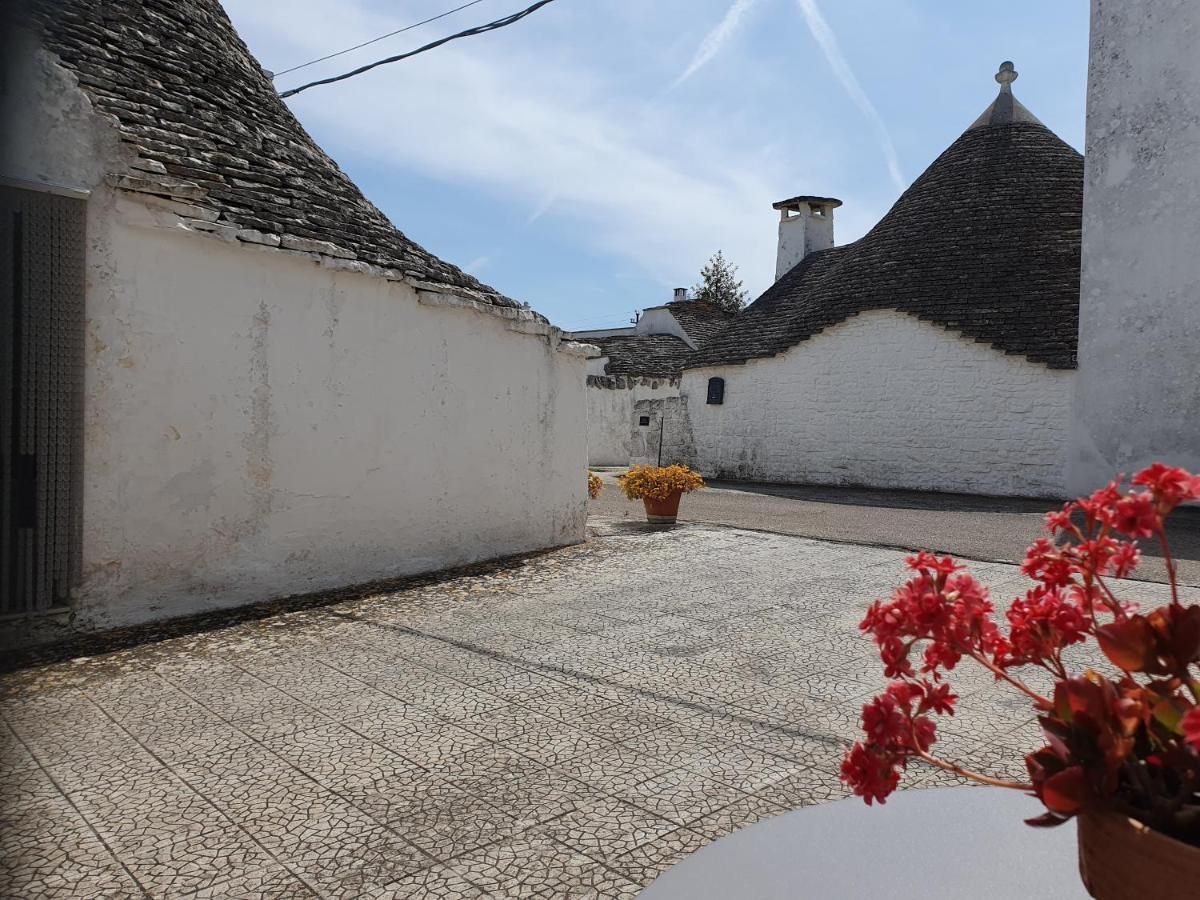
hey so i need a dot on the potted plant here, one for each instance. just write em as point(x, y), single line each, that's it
point(660, 488)
point(595, 485)
point(1122, 747)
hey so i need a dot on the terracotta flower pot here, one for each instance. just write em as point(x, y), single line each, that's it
point(662, 512)
point(1122, 859)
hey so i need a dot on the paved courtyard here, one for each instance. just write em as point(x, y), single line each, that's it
point(567, 727)
point(992, 528)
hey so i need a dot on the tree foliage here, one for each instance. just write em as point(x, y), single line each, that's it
point(719, 285)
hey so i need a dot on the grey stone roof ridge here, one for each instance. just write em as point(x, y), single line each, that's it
point(1006, 108)
point(210, 132)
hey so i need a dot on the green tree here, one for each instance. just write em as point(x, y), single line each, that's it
point(719, 285)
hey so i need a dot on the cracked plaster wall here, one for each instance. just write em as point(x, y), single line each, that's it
point(260, 423)
point(1138, 397)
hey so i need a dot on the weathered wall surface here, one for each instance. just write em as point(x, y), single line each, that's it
point(262, 423)
point(667, 440)
point(612, 431)
point(886, 400)
point(1138, 397)
point(258, 425)
point(658, 320)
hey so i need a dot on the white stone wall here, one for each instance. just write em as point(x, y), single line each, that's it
point(1138, 398)
point(261, 423)
point(886, 400)
point(612, 433)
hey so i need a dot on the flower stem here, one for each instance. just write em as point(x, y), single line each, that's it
point(1162, 539)
point(1019, 685)
point(974, 776)
point(1115, 606)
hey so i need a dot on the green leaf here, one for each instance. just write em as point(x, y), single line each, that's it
point(1168, 713)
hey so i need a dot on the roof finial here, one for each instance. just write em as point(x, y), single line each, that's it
point(1006, 76)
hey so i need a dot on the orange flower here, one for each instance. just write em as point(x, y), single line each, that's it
point(656, 483)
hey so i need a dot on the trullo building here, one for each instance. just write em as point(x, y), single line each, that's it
point(226, 376)
point(936, 352)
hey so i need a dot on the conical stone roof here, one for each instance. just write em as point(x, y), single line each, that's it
point(203, 121)
point(985, 242)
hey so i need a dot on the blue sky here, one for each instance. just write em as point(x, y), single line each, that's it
point(591, 157)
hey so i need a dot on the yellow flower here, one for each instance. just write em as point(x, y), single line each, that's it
point(656, 483)
point(595, 485)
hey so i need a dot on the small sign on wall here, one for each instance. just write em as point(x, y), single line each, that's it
point(716, 391)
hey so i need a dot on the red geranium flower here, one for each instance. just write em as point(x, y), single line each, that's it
point(1137, 515)
point(872, 774)
point(1170, 486)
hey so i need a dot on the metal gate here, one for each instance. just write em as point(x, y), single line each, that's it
point(41, 397)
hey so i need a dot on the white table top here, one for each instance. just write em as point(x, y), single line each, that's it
point(964, 842)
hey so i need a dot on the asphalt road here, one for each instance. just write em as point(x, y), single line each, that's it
point(985, 528)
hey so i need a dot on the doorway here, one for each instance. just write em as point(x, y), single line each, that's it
point(41, 397)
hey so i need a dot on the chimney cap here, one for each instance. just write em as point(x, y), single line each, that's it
point(794, 202)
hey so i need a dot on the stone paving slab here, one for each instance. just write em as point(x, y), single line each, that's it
point(569, 727)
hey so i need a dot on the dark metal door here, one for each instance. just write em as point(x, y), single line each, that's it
point(41, 397)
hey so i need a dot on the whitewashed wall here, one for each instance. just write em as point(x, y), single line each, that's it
point(1138, 398)
point(262, 423)
point(611, 429)
point(886, 400)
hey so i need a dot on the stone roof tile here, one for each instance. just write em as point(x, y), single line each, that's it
point(647, 355)
point(702, 321)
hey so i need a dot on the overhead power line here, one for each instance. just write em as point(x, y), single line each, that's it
point(470, 32)
point(313, 62)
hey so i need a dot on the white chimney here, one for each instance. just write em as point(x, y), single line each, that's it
point(805, 226)
point(680, 295)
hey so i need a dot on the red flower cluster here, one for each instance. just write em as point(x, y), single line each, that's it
point(897, 727)
point(941, 605)
point(1042, 623)
point(1098, 730)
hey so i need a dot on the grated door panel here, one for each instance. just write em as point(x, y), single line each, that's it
point(41, 397)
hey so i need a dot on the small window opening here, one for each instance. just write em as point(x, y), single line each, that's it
point(716, 391)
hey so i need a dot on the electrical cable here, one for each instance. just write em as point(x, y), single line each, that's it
point(470, 32)
point(313, 62)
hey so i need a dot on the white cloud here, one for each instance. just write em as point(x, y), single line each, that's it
point(715, 39)
point(545, 128)
point(828, 43)
point(657, 187)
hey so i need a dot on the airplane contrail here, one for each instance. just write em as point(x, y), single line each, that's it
point(828, 43)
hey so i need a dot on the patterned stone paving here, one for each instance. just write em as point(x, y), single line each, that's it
point(570, 727)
